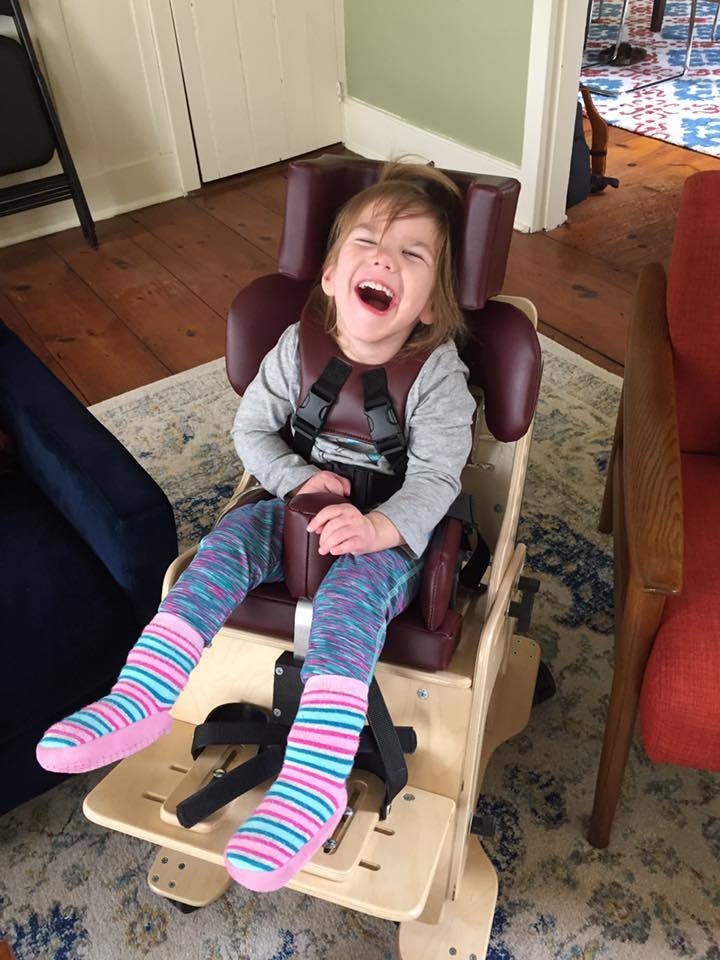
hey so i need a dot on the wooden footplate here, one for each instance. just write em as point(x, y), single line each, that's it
point(378, 867)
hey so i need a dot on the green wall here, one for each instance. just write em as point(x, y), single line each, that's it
point(457, 67)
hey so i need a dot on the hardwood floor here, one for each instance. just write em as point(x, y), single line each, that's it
point(152, 300)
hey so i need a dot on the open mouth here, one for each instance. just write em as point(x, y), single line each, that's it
point(375, 295)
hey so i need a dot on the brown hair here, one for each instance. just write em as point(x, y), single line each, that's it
point(407, 190)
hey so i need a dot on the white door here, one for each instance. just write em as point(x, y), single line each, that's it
point(261, 78)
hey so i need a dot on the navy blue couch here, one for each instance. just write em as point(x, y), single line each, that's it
point(85, 538)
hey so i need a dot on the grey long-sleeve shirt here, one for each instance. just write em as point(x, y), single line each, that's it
point(438, 417)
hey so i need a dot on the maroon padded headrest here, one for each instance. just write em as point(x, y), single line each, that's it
point(318, 188)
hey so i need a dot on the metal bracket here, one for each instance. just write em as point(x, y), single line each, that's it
point(522, 609)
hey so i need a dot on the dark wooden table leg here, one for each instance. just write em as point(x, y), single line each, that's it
point(658, 12)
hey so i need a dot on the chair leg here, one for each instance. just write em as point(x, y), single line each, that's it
point(691, 31)
point(640, 618)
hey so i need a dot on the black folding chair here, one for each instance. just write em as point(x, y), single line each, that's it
point(30, 130)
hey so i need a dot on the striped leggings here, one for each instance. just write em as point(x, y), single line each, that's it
point(351, 609)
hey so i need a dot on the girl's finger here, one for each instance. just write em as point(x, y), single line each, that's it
point(328, 513)
point(335, 534)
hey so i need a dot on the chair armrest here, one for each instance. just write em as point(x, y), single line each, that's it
point(92, 480)
point(651, 466)
point(304, 567)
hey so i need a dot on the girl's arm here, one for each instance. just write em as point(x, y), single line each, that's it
point(439, 438)
point(264, 411)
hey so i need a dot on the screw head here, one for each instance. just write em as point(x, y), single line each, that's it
point(164, 860)
point(155, 878)
point(408, 796)
point(422, 693)
point(330, 845)
point(279, 671)
point(181, 866)
point(172, 884)
point(220, 772)
point(277, 712)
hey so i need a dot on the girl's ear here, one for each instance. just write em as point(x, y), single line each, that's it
point(427, 314)
point(327, 281)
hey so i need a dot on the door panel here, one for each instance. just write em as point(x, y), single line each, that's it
point(261, 79)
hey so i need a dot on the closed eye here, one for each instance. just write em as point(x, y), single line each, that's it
point(412, 253)
point(371, 243)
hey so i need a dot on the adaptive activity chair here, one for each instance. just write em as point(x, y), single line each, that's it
point(454, 672)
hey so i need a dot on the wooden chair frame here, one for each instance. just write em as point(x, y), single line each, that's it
point(642, 508)
point(421, 866)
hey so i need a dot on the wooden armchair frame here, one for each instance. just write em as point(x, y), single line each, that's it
point(642, 508)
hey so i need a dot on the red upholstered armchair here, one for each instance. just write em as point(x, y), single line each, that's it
point(662, 502)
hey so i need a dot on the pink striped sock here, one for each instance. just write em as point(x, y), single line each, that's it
point(136, 711)
point(306, 802)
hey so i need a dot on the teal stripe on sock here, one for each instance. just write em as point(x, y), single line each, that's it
point(302, 799)
point(166, 650)
point(161, 689)
point(305, 758)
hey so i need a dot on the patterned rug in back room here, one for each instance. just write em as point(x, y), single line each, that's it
point(685, 112)
point(72, 891)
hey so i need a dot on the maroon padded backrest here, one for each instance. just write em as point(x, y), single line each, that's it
point(318, 188)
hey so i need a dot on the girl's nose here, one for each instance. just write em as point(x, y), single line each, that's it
point(383, 259)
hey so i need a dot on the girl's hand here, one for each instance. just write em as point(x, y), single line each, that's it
point(344, 529)
point(325, 482)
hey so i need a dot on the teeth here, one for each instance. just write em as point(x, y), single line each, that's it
point(373, 285)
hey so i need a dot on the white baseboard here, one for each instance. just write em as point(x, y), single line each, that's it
point(374, 133)
point(108, 194)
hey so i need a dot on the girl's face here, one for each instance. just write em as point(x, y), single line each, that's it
point(382, 280)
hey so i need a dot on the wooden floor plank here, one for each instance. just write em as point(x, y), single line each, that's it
point(200, 251)
point(575, 294)
point(581, 349)
point(94, 347)
point(177, 326)
point(239, 210)
point(22, 329)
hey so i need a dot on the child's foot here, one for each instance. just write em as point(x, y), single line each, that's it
point(136, 711)
point(304, 805)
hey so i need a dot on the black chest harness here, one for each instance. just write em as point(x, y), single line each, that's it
point(368, 486)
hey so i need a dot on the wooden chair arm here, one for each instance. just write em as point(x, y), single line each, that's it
point(651, 467)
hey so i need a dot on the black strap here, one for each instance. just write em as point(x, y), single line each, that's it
point(368, 487)
point(227, 733)
point(310, 416)
point(394, 768)
point(204, 802)
point(382, 420)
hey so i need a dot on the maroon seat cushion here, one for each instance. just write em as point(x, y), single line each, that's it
point(270, 609)
point(680, 700)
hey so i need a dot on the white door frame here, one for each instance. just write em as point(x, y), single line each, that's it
point(556, 45)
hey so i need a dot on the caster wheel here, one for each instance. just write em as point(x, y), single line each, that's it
point(183, 907)
point(544, 685)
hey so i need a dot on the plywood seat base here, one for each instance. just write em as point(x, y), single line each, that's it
point(377, 867)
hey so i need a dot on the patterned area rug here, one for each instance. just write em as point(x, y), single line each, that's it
point(72, 891)
point(685, 112)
